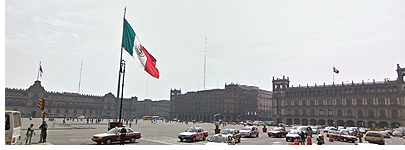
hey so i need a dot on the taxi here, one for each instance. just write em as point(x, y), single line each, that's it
point(193, 133)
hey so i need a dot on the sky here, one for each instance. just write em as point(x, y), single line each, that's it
point(248, 42)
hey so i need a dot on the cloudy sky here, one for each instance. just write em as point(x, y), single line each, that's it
point(248, 43)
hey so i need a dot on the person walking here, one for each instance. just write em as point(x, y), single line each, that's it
point(122, 135)
point(43, 128)
point(29, 133)
point(302, 135)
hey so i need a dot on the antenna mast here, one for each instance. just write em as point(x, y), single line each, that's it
point(80, 78)
point(205, 60)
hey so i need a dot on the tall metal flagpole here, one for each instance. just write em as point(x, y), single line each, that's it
point(121, 64)
point(39, 70)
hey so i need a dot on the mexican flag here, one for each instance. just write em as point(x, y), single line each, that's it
point(335, 70)
point(148, 62)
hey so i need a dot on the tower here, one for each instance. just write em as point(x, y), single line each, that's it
point(401, 74)
point(281, 84)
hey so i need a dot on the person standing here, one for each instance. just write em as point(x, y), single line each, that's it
point(43, 128)
point(122, 136)
point(29, 133)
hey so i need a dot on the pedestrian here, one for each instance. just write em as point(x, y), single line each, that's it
point(130, 124)
point(319, 139)
point(29, 133)
point(360, 135)
point(302, 135)
point(43, 128)
point(122, 135)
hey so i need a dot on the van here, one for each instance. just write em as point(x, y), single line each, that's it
point(13, 127)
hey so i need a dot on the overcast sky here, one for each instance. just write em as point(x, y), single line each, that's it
point(248, 43)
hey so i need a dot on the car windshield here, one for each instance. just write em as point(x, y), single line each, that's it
point(191, 130)
point(345, 133)
point(218, 139)
point(227, 131)
point(371, 134)
point(112, 131)
point(276, 129)
point(246, 128)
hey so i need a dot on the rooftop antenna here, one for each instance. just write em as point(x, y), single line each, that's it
point(80, 78)
point(205, 60)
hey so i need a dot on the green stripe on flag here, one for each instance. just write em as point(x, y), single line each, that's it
point(129, 37)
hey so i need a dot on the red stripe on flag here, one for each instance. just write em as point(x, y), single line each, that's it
point(150, 65)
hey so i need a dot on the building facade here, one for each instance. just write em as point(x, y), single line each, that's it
point(234, 103)
point(65, 104)
point(374, 104)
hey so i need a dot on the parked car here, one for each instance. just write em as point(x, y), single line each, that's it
point(385, 134)
point(397, 133)
point(234, 133)
point(316, 129)
point(374, 137)
point(352, 129)
point(219, 139)
point(340, 128)
point(292, 135)
point(277, 132)
point(249, 131)
point(113, 135)
point(193, 133)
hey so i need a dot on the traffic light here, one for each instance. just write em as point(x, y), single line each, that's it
point(43, 114)
point(41, 103)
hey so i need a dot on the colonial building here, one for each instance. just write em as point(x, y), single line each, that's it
point(65, 104)
point(368, 104)
point(234, 103)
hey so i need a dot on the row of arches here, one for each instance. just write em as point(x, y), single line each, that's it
point(352, 123)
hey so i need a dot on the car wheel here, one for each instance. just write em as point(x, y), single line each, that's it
point(344, 140)
point(107, 142)
point(133, 139)
point(203, 138)
point(181, 139)
point(269, 135)
point(250, 134)
point(257, 135)
point(193, 139)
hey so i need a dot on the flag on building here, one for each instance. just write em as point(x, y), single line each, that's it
point(40, 70)
point(335, 70)
point(148, 62)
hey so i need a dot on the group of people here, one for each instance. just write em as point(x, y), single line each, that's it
point(31, 132)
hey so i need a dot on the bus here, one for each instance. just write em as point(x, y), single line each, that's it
point(13, 127)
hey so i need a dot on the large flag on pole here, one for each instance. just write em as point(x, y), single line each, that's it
point(335, 70)
point(148, 62)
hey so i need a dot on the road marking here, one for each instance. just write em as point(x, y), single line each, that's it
point(157, 141)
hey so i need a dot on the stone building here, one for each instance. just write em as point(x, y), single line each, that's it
point(65, 104)
point(234, 103)
point(374, 104)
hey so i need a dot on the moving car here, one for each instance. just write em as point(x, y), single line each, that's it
point(113, 135)
point(346, 137)
point(219, 139)
point(306, 130)
point(277, 132)
point(292, 135)
point(385, 134)
point(234, 133)
point(249, 131)
point(327, 129)
point(374, 137)
point(397, 133)
point(316, 129)
point(193, 133)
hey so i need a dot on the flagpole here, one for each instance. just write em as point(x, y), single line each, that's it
point(120, 71)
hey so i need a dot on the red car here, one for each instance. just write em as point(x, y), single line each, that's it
point(114, 135)
point(277, 132)
point(193, 133)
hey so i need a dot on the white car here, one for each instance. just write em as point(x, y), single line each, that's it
point(249, 131)
point(218, 139)
point(327, 129)
point(315, 129)
point(292, 135)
